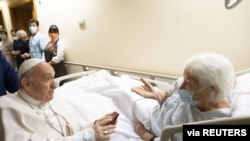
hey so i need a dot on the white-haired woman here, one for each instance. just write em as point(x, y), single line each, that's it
point(202, 94)
point(21, 47)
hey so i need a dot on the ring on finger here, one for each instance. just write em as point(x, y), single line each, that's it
point(105, 132)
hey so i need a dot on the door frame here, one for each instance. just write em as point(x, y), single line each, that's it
point(13, 15)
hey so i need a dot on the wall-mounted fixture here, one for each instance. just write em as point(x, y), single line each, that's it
point(228, 4)
point(81, 21)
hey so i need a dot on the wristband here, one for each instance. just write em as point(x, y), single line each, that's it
point(153, 138)
point(95, 122)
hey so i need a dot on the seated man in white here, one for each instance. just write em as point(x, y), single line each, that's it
point(36, 114)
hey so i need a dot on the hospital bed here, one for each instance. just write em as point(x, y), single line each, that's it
point(96, 91)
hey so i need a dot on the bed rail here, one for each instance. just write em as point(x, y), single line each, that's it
point(159, 84)
point(245, 71)
point(75, 67)
point(73, 76)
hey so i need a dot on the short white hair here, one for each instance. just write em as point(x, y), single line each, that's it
point(212, 69)
point(21, 34)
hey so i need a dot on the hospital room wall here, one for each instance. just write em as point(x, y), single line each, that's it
point(154, 36)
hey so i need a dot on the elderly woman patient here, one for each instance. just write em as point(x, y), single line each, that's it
point(36, 114)
point(201, 94)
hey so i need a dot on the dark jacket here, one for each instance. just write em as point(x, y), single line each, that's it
point(8, 77)
point(22, 46)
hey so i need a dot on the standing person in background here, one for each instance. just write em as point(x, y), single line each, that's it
point(21, 48)
point(37, 41)
point(6, 47)
point(8, 77)
point(13, 32)
point(54, 52)
point(21, 34)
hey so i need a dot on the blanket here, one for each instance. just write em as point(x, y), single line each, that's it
point(100, 93)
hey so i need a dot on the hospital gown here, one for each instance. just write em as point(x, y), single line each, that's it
point(175, 112)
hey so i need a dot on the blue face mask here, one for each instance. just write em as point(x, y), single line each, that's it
point(32, 29)
point(3, 37)
point(187, 97)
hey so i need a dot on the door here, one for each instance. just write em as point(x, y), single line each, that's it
point(2, 19)
point(20, 13)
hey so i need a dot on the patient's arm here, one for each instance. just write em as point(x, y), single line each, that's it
point(143, 132)
point(148, 91)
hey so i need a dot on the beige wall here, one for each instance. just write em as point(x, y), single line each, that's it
point(155, 36)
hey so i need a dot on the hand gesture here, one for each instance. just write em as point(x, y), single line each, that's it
point(103, 128)
point(148, 91)
point(25, 55)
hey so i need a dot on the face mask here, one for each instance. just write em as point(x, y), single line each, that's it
point(32, 29)
point(3, 37)
point(187, 97)
point(53, 36)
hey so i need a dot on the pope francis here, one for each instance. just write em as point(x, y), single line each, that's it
point(36, 114)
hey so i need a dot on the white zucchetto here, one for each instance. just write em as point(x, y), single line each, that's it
point(28, 64)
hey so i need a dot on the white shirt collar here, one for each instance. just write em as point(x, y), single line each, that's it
point(35, 104)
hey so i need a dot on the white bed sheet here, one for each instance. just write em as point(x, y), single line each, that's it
point(100, 93)
point(241, 96)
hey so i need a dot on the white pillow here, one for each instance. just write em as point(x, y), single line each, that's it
point(241, 96)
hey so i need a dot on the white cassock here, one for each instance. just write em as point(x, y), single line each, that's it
point(25, 119)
